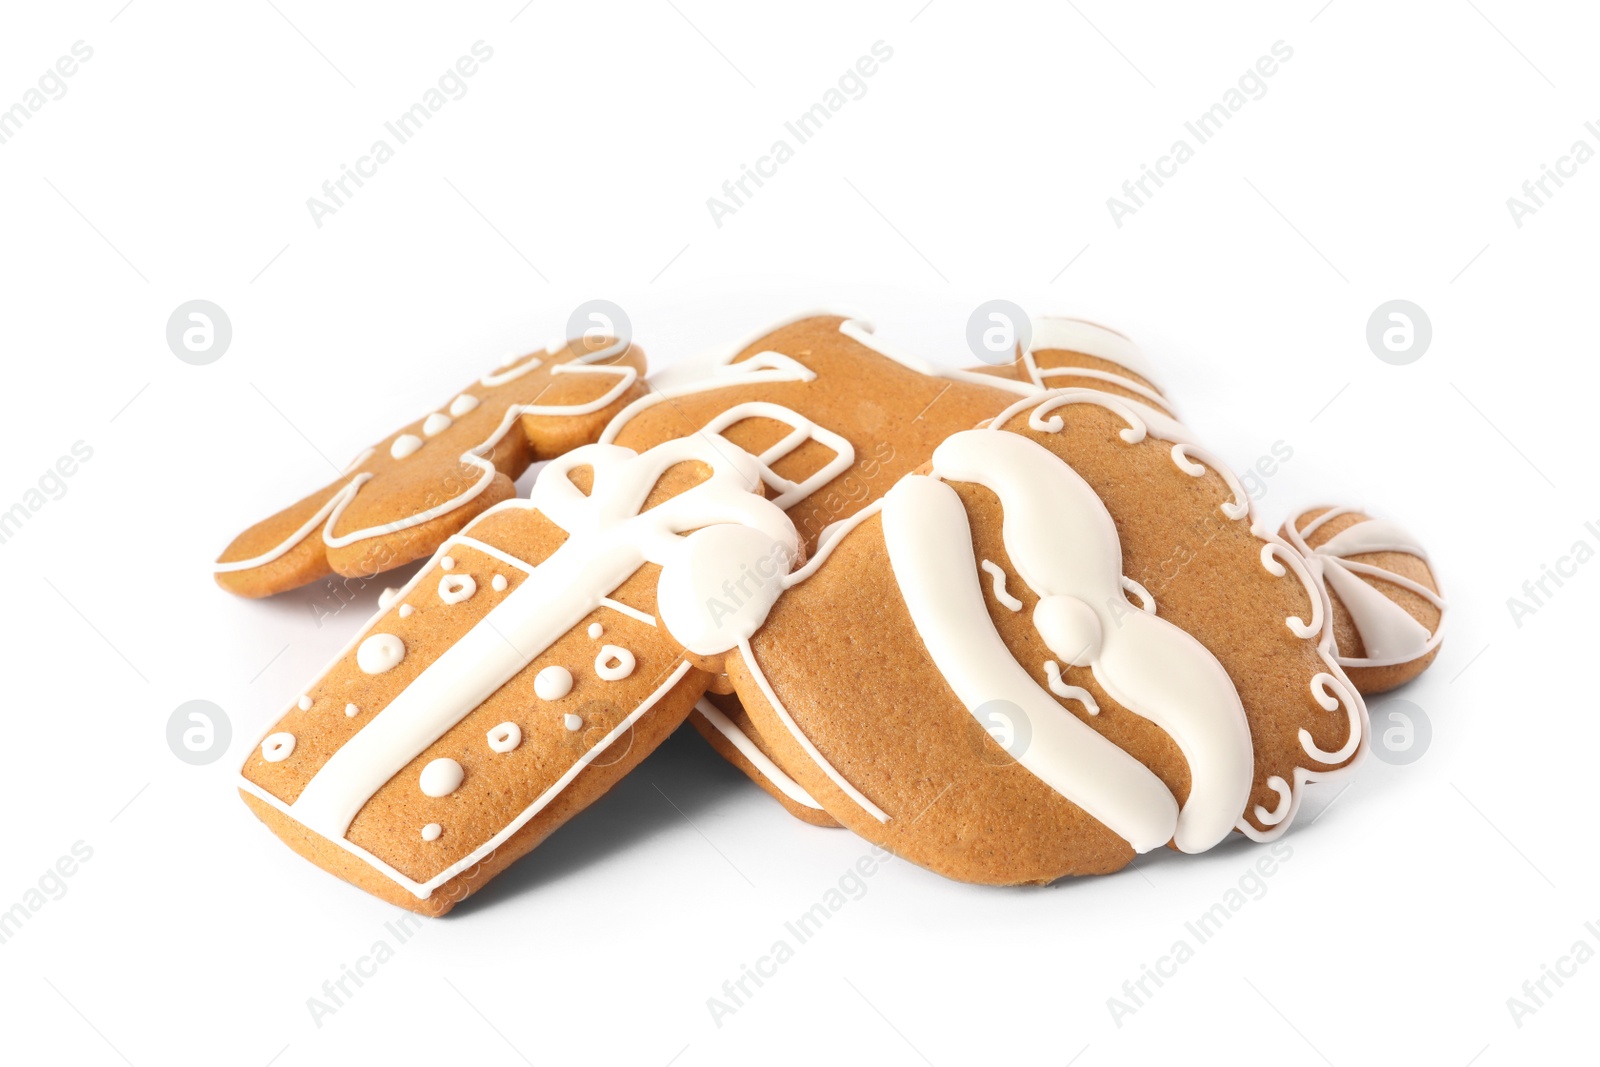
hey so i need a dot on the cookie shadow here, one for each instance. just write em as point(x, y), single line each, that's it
point(680, 779)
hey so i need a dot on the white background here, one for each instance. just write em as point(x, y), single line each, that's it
point(1377, 166)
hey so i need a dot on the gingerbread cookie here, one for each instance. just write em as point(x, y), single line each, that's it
point(1069, 643)
point(399, 500)
point(1388, 616)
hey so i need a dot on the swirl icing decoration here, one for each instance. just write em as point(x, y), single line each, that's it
point(1390, 635)
point(610, 538)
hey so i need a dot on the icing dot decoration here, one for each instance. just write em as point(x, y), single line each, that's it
point(505, 737)
point(614, 663)
point(572, 722)
point(448, 563)
point(499, 583)
point(386, 597)
point(454, 588)
point(552, 683)
point(304, 703)
point(436, 424)
point(432, 831)
point(441, 777)
point(350, 711)
point(463, 404)
point(277, 748)
point(595, 630)
point(379, 653)
point(406, 610)
point(404, 445)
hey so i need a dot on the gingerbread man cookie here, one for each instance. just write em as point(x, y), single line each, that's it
point(398, 500)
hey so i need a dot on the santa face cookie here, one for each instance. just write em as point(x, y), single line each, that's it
point(1388, 616)
point(401, 498)
point(1066, 644)
point(522, 672)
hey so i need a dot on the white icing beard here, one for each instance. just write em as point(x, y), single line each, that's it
point(1064, 545)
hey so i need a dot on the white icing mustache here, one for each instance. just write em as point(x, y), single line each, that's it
point(1064, 546)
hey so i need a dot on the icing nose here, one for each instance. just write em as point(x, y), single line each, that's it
point(1070, 627)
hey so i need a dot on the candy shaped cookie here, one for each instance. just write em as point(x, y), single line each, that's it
point(1083, 646)
point(1388, 616)
point(398, 500)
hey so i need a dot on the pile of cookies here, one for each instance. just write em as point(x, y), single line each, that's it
point(1012, 623)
